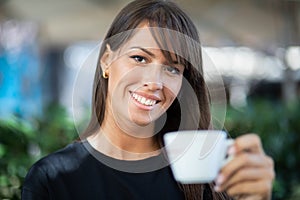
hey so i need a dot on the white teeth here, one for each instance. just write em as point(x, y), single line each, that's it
point(143, 100)
point(148, 102)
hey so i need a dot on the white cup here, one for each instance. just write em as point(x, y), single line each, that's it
point(196, 156)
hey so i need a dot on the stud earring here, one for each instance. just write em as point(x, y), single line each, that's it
point(104, 74)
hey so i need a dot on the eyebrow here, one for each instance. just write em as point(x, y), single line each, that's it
point(144, 50)
point(150, 53)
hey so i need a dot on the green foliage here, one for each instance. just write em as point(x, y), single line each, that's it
point(278, 126)
point(22, 143)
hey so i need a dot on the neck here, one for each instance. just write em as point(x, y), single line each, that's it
point(132, 143)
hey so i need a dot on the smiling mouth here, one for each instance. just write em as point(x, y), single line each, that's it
point(143, 100)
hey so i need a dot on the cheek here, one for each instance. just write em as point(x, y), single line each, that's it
point(120, 78)
point(172, 88)
point(126, 74)
point(117, 72)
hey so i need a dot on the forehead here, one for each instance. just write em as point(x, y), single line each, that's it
point(141, 37)
point(174, 45)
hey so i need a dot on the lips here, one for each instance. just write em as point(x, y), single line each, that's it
point(144, 100)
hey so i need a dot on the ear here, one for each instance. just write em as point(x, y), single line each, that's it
point(106, 58)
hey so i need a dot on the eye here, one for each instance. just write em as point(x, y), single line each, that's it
point(172, 70)
point(139, 59)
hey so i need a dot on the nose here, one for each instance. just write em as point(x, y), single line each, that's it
point(153, 80)
point(153, 86)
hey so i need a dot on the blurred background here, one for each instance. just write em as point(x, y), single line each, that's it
point(255, 45)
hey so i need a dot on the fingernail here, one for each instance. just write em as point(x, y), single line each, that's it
point(217, 188)
point(231, 150)
point(220, 179)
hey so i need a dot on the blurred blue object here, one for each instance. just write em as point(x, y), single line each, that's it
point(20, 86)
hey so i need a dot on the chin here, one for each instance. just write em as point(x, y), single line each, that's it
point(140, 122)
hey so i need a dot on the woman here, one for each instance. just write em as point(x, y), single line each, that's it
point(148, 82)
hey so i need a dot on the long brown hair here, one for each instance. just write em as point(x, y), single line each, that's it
point(181, 114)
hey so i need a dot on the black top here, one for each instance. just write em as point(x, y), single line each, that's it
point(75, 172)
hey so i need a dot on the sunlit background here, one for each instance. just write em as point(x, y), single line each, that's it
point(254, 44)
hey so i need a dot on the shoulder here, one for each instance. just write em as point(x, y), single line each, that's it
point(63, 159)
point(44, 171)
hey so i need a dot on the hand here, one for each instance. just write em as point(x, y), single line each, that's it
point(249, 175)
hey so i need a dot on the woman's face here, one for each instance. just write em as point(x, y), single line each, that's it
point(142, 83)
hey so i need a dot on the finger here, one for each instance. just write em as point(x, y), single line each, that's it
point(247, 174)
point(244, 160)
point(240, 161)
point(248, 143)
point(262, 188)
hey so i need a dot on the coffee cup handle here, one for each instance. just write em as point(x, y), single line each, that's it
point(229, 142)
